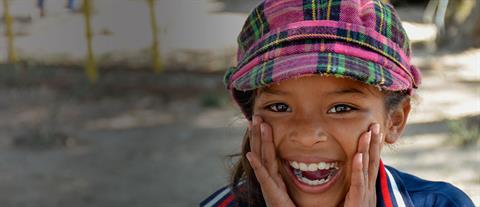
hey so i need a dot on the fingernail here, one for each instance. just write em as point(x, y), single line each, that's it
point(248, 157)
point(376, 129)
point(262, 129)
point(369, 135)
point(360, 156)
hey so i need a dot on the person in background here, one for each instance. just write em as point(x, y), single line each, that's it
point(41, 7)
point(70, 4)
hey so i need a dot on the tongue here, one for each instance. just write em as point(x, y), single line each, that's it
point(316, 175)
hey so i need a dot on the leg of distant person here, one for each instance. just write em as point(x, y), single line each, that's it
point(41, 6)
point(71, 4)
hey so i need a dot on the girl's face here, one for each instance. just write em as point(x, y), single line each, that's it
point(319, 119)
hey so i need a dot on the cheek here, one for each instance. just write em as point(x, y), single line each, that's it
point(279, 128)
point(346, 134)
point(348, 131)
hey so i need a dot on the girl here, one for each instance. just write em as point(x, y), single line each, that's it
point(324, 84)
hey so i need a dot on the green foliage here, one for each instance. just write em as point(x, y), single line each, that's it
point(463, 133)
point(213, 100)
point(42, 139)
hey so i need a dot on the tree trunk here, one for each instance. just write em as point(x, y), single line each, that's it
point(90, 68)
point(156, 63)
point(462, 25)
point(12, 57)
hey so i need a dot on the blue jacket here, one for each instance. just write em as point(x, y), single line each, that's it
point(394, 189)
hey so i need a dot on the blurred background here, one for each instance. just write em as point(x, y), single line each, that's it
point(121, 102)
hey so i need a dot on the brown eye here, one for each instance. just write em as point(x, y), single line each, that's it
point(279, 107)
point(340, 108)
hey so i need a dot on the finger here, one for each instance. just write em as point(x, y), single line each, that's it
point(364, 148)
point(269, 157)
point(273, 196)
point(375, 147)
point(255, 142)
point(268, 148)
point(261, 173)
point(357, 184)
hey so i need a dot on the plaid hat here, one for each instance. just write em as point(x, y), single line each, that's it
point(360, 39)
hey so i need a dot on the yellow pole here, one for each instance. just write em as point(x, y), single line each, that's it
point(156, 61)
point(12, 57)
point(90, 68)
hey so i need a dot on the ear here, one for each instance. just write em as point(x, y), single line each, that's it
point(396, 121)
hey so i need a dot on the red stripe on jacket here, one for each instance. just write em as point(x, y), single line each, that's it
point(384, 185)
point(227, 201)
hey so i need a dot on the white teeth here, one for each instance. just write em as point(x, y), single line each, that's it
point(294, 164)
point(303, 167)
point(313, 166)
point(322, 166)
point(307, 181)
point(312, 182)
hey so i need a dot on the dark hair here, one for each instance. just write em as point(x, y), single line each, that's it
point(242, 174)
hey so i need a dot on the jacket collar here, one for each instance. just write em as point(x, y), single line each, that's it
point(391, 191)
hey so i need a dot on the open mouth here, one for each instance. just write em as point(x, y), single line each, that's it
point(314, 173)
point(314, 177)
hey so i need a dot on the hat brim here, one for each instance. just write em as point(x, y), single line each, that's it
point(282, 68)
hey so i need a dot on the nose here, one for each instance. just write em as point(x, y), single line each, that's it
point(307, 132)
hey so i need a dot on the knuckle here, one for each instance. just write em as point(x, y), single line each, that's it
point(266, 162)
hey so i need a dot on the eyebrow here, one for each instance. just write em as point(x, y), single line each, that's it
point(275, 91)
point(343, 91)
point(347, 91)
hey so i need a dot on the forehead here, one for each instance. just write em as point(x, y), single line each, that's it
point(317, 84)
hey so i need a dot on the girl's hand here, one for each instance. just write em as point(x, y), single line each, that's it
point(365, 169)
point(263, 160)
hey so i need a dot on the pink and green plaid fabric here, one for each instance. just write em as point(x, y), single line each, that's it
point(359, 39)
